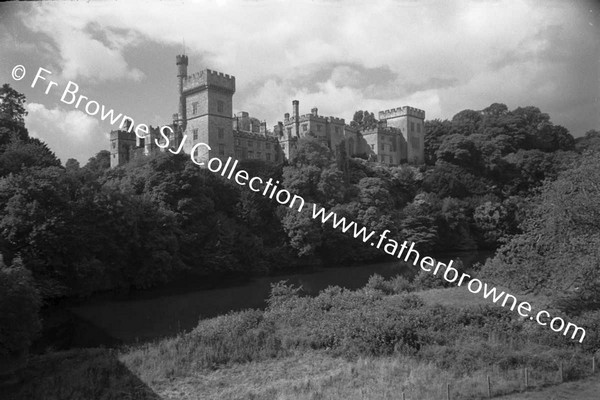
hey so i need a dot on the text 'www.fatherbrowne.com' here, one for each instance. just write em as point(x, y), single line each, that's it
point(452, 275)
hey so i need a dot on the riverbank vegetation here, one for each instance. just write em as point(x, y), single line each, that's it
point(339, 344)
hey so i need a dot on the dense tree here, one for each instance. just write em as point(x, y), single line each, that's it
point(561, 232)
point(31, 152)
point(12, 115)
point(589, 141)
point(100, 162)
point(72, 165)
point(12, 105)
point(435, 131)
point(364, 120)
point(19, 310)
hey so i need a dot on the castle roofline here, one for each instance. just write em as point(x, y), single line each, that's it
point(209, 78)
point(402, 111)
point(253, 135)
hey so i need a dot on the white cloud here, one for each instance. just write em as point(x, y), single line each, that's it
point(87, 49)
point(487, 51)
point(70, 134)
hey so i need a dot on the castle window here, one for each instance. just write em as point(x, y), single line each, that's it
point(412, 126)
point(237, 142)
point(268, 146)
point(419, 128)
point(268, 156)
point(114, 145)
point(220, 106)
point(337, 129)
point(372, 147)
point(250, 144)
point(304, 127)
point(318, 128)
point(259, 155)
point(250, 154)
point(195, 108)
point(195, 133)
point(221, 133)
point(221, 149)
point(258, 145)
point(382, 147)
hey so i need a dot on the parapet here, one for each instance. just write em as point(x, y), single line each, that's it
point(209, 78)
point(312, 117)
point(334, 120)
point(401, 112)
point(122, 135)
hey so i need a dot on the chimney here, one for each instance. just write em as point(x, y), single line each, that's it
point(296, 106)
point(314, 111)
point(263, 128)
point(286, 117)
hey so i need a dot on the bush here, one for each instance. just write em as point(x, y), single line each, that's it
point(396, 285)
point(19, 311)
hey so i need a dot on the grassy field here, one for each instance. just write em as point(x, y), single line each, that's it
point(460, 297)
point(255, 355)
point(98, 374)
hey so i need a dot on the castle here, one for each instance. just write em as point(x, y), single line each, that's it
point(205, 115)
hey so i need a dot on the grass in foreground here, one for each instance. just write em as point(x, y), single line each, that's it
point(365, 344)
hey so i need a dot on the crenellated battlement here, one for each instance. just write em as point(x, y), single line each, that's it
point(334, 120)
point(401, 112)
point(311, 117)
point(122, 135)
point(209, 78)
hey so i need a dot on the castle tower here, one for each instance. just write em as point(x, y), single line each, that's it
point(122, 143)
point(207, 113)
point(182, 64)
point(410, 121)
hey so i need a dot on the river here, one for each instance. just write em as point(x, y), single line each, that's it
point(156, 313)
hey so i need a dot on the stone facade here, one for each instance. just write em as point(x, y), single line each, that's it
point(205, 115)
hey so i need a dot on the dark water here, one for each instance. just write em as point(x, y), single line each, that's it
point(157, 313)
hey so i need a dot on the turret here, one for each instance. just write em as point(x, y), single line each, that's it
point(182, 64)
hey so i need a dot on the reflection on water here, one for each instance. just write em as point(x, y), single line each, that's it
point(165, 312)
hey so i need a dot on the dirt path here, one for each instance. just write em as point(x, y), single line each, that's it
point(587, 389)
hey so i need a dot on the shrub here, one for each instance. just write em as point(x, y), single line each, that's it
point(19, 307)
point(396, 285)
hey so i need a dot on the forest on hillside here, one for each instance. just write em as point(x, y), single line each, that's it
point(493, 178)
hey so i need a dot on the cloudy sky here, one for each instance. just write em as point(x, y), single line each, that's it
point(440, 56)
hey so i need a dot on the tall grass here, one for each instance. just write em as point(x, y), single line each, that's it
point(341, 344)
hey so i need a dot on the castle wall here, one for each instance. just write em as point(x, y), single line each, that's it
point(410, 121)
point(121, 143)
point(209, 110)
